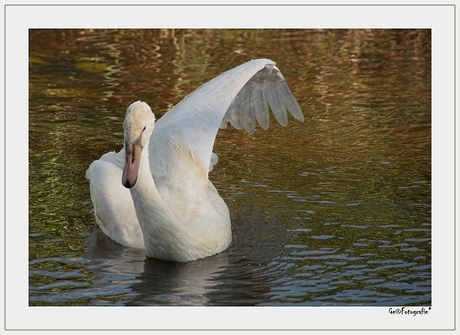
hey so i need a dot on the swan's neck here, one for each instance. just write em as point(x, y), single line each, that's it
point(164, 236)
point(162, 232)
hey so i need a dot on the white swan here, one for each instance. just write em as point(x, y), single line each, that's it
point(169, 207)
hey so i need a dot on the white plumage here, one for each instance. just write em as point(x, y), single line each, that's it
point(171, 208)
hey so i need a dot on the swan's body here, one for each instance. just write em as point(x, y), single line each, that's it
point(171, 208)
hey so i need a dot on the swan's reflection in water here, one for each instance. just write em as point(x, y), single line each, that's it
point(241, 275)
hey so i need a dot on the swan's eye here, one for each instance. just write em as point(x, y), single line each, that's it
point(144, 128)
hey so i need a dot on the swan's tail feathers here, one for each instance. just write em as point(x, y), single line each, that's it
point(266, 90)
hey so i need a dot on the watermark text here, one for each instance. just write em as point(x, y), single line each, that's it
point(409, 311)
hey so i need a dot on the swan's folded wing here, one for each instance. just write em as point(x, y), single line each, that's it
point(113, 205)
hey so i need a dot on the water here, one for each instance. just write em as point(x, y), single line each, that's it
point(332, 211)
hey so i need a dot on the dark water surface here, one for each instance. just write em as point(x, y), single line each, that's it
point(332, 211)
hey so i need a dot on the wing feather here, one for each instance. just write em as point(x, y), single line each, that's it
point(275, 105)
point(260, 105)
point(267, 89)
point(287, 99)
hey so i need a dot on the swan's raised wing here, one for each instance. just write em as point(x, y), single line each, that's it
point(239, 96)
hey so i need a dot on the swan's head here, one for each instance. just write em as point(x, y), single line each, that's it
point(138, 125)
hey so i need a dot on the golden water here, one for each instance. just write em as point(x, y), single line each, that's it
point(332, 211)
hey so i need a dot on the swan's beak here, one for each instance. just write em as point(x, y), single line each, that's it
point(131, 168)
